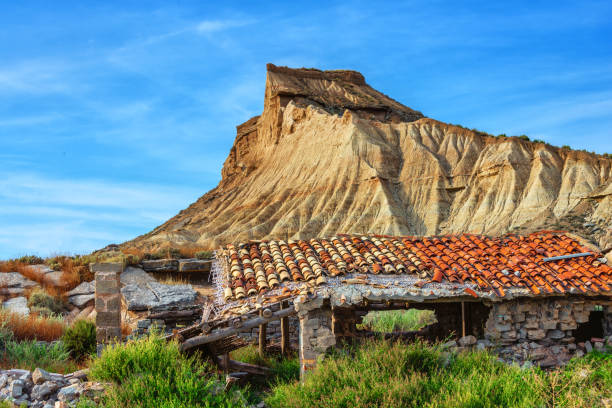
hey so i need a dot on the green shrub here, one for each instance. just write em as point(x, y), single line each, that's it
point(383, 374)
point(380, 374)
point(153, 372)
point(80, 339)
point(284, 369)
point(131, 259)
point(31, 260)
point(566, 147)
point(85, 403)
point(502, 135)
point(31, 354)
point(166, 253)
point(204, 254)
point(44, 303)
point(524, 137)
point(538, 141)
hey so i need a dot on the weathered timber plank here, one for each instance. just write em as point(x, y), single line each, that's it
point(249, 324)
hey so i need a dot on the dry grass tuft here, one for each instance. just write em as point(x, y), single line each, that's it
point(135, 252)
point(173, 280)
point(126, 330)
point(192, 252)
point(32, 327)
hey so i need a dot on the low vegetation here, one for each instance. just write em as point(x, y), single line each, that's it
point(389, 321)
point(80, 339)
point(42, 302)
point(30, 354)
point(284, 369)
point(155, 373)
point(32, 327)
point(382, 374)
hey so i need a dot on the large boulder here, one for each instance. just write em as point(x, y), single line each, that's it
point(81, 301)
point(17, 305)
point(48, 275)
point(154, 296)
point(83, 295)
point(14, 283)
point(85, 288)
point(135, 276)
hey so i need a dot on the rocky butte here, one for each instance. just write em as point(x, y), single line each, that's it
point(329, 154)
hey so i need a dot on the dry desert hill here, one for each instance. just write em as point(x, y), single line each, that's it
point(329, 154)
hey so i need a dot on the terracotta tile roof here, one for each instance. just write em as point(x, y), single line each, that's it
point(492, 263)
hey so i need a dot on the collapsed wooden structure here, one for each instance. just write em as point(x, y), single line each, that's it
point(544, 289)
point(538, 298)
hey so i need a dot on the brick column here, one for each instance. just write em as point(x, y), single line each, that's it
point(108, 303)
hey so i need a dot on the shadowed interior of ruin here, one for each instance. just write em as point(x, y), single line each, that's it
point(592, 328)
point(454, 319)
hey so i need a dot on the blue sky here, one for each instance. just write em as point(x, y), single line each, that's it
point(115, 116)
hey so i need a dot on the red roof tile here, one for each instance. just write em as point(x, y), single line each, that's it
point(493, 264)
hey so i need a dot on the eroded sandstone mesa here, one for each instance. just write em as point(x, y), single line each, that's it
point(331, 154)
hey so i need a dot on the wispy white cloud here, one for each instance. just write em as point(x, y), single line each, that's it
point(29, 120)
point(35, 77)
point(211, 26)
point(44, 215)
point(92, 193)
point(49, 238)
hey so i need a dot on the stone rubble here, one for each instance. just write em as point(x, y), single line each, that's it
point(41, 389)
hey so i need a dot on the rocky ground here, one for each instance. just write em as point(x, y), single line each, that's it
point(41, 389)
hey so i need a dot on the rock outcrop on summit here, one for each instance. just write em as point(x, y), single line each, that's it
point(329, 154)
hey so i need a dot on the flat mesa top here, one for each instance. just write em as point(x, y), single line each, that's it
point(491, 265)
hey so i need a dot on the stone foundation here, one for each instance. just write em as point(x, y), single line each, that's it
point(544, 331)
point(547, 332)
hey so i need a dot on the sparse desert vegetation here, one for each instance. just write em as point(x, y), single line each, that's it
point(32, 327)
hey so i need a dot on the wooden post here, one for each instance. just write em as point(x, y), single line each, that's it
point(462, 319)
point(226, 363)
point(284, 325)
point(262, 336)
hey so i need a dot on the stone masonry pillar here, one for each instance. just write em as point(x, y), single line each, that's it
point(108, 303)
point(316, 337)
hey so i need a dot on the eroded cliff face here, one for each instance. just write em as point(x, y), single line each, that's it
point(330, 155)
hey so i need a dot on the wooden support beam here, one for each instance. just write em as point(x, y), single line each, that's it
point(462, 319)
point(245, 367)
point(175, 314)
point(284, 324)
point(262, 336)
point(223, 333)
point(225, 362)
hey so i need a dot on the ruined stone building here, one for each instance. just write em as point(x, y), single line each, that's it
point(540, 298)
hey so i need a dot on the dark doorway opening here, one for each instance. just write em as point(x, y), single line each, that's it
point(590, 329)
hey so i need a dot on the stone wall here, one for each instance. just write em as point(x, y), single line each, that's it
point(547, 332)
point(544, 331)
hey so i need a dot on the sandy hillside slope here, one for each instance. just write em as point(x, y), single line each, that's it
point(330, 154)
